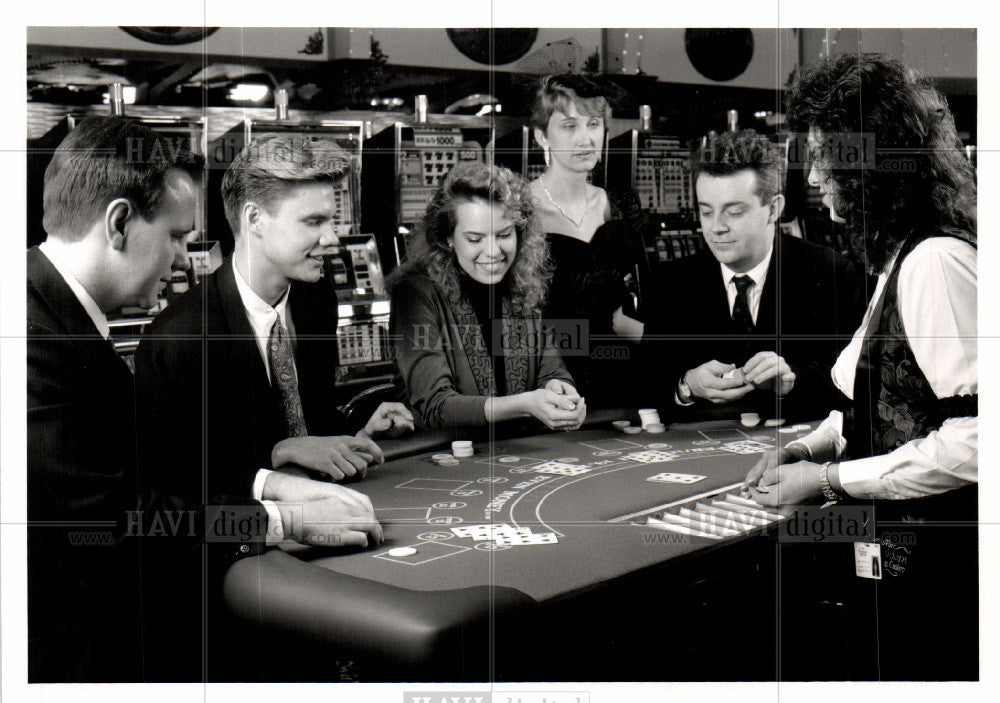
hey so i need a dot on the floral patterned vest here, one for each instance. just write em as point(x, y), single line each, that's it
point(893, 401)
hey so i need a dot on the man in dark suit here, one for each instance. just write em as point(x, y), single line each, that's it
point(237, 377)
point(755, 322)
point(243, 366)
point(118, 208)
point(117, 217)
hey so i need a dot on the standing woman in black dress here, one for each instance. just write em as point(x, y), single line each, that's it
point(594, 237)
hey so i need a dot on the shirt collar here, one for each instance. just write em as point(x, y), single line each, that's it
point(99, 319)
point(254, 304)
point(758, 273)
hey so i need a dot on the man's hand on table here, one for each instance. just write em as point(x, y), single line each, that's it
point(293, 486)
point(768, 370)
point(708, 383)
point(338, 457)
point(344, 520)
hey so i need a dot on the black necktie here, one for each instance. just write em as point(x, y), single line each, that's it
point(279, 356)
point(742, 319)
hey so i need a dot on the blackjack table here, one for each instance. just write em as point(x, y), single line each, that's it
point(596, 554)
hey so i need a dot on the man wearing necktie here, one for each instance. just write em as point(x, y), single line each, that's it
point(752, 322)
point(236, 378)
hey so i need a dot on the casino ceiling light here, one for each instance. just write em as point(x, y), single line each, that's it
point(249, 93)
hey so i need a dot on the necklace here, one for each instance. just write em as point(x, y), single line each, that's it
point(576, 224)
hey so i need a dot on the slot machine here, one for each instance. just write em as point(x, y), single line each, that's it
point(405, 163)
point(658, 168)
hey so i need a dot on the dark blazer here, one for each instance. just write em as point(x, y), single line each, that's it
point(200, 369)
point(812, 303)
point(443, 359)
point(209, 420)
point(83, 598)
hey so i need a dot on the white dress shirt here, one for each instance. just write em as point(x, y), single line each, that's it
point(937, 298)
point(99, 319)
point(261, 317)
point(758, 274)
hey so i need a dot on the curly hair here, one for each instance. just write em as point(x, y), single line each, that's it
point(918, 181)
point(528, 278)
point(732, 152)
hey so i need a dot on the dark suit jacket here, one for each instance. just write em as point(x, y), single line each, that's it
point(209, 420)
point(83, 598)
point(812, 303)
point(203, 385)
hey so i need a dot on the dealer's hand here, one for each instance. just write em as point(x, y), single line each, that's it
point(789, 484)
point(707, 382)
point(391, 418)
point(768, 370)
point(771, 460)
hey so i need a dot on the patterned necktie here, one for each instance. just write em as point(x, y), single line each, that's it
point(279, 356)
point(741, 308)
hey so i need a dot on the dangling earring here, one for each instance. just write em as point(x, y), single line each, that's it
point(545, 152)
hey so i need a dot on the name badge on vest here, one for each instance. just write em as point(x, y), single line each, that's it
point(868, 560)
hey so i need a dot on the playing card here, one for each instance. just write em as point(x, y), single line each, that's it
point(490, 531)
point(747, 446)
point(557, 467)
point(650, 457)
point(512, 540)
point(676, 478)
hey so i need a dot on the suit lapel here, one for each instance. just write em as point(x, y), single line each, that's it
point(767, 313)
point(241, 341)
point(64, 306)
point(716, 305)
point(315, 314)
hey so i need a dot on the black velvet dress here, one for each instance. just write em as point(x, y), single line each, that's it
point(590, 281)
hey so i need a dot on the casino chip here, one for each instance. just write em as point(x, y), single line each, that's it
point(774, 422)
point(439, 457)
point(568, 459)
point(508, 460)
point(787, 430)
point(448, 462)
point(402, 552)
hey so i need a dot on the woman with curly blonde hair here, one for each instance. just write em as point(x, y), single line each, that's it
point(466, 309)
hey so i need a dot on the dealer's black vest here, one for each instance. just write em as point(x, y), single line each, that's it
point(893, 401)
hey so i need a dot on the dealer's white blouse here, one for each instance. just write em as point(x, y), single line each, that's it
point(937, 300)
